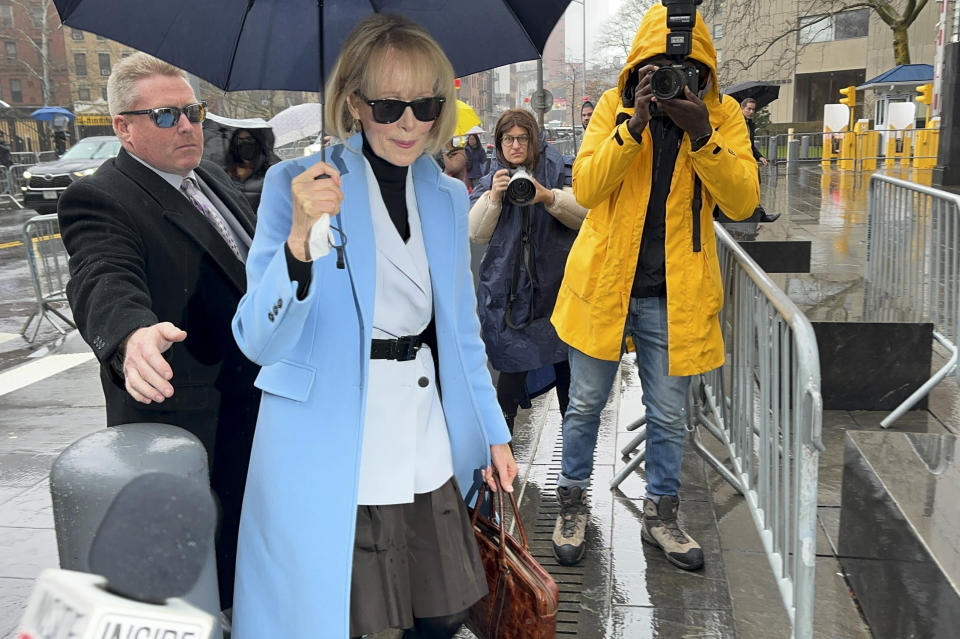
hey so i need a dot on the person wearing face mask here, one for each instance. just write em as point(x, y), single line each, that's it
point(521, 269)
point(354, 519)
point(644, 265)
point(249, 155)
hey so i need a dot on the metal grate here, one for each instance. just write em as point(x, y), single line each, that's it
point(569, 578)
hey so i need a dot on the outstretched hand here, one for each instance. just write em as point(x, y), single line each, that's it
point(146, 373)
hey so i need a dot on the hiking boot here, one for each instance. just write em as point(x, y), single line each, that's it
point(571, 525)
point(661, 529)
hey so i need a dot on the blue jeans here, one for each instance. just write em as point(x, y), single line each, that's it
point(664, 397)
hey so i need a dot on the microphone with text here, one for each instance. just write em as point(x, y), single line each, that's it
point(149, 549)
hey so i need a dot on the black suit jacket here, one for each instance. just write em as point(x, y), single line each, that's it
point(140, 253)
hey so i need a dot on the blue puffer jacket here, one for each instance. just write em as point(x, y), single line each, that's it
point(528, 341)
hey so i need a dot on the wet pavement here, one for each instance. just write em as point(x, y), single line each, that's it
point(622, 588)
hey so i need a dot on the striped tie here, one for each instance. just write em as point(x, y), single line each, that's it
point(192, 191)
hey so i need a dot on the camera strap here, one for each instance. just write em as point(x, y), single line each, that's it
point(525, 254)
point(696, 205)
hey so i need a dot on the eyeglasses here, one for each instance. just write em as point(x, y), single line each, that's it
point(522, 140)
point(167, 117)
point(389, 111)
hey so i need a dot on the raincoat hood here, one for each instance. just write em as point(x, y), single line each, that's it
point(651, 40)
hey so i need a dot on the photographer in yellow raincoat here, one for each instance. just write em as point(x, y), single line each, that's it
point(645, 263)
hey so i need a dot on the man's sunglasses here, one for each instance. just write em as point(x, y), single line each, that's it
point(167, 117)
point(389, 111)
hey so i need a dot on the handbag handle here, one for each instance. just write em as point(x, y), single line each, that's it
point(481, 497)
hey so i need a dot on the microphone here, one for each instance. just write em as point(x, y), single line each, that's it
point(149, 549)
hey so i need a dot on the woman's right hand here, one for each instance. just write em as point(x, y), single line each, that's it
point(312, 196)
point(498, 185)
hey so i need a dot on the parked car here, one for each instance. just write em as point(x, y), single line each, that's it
point(45, 182)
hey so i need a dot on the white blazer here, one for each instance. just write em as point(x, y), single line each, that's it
point(406, 448)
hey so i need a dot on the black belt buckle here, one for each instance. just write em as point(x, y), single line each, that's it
point(407, 347)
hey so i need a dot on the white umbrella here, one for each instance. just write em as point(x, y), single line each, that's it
point(297, 122)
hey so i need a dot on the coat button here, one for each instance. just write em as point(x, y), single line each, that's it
point(424, 382)
point(279, 302)
point(270, 315)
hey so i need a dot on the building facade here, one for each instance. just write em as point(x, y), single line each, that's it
point(90, 60)
point(812, 49)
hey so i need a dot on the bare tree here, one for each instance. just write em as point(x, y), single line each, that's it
point(619, 30)
point(786, 34)
point(45, 18)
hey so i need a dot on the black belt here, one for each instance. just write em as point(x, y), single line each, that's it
point(401, 349)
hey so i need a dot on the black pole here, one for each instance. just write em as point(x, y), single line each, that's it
point(323, 99)
point(947, 172)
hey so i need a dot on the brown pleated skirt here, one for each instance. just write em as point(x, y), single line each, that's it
point(414, 560)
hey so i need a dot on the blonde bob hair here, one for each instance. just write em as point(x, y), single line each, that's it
point(374, 42)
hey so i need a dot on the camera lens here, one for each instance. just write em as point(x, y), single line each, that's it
point(520, 189)
point(667, 83)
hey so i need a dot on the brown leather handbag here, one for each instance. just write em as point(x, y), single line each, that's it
point(522, 602)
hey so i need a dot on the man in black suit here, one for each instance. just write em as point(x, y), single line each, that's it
point(157, 241)
point(749, 108)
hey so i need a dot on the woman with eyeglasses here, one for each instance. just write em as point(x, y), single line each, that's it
point(521, 270)
point(378, 412)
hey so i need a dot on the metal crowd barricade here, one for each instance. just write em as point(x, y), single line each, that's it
point(47, 258)
point(6, 191)
point(25, 157)
point(15, 178)
point(764, 405)
point(913, 265)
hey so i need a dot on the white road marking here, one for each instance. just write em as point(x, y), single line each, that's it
point(41, 369)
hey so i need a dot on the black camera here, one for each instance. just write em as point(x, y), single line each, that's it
point(667, 83)
point(520, 189)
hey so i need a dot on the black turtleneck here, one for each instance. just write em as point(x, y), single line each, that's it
point(393, 188)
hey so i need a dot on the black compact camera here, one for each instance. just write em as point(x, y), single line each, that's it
point(668, 82)
point(520, 189)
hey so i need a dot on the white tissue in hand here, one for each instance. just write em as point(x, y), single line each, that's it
point(321, 237)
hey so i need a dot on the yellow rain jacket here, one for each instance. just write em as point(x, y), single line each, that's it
point(612, 178)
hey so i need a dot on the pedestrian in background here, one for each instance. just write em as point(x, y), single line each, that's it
point(477, 161)
point(5, 158)
point(749, 107)
point(354, 519)
point(455, 164)
point(249, 155)
point(521, 270)
point(645, 266)
point(586, 112)
point(157, 240)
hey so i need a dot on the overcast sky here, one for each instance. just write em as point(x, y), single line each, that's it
point(597, 13)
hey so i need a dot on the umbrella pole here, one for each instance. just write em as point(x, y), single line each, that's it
point(323, 89)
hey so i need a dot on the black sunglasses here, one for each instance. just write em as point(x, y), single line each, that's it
point(389, 111)
point(167, 117)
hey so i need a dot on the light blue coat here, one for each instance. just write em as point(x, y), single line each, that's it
point(299, 511)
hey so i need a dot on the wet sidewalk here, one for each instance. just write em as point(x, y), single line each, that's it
point(623, 588)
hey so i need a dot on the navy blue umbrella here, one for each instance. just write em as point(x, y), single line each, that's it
point(276, 44)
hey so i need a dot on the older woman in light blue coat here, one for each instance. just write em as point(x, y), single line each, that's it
point(353, 428)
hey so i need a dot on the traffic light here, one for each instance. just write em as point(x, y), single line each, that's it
point(849, 96)
point(926, 93)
